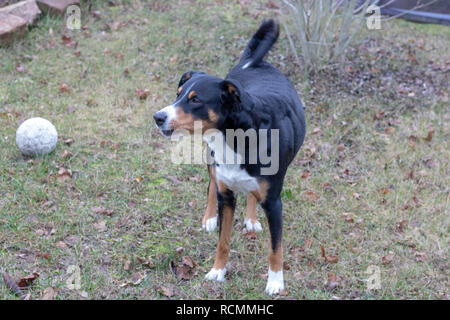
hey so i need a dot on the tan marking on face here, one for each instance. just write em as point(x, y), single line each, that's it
point(261, 193)
point(211, 205)
point(223, 247)
point(210, 123)
point(231, 88)
point(182, 121)
point(251, 208)
point(188, 76)
point(213, 117)
point(180, 89)
point(192, 94)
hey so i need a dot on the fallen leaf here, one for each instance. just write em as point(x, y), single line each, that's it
point(127, 265)
point(348, 217)
point(332, 282)
point(389, 130)
point(378, 115)
point(64, 175)
point(316, 131)
point(250, 235)
point(66, 154)
point(137, 278)
point(328, 259)
point(401, 225)
point(183, 272)
point(388, 258)
point(174, 180)
point(20, 69)
point(306, 244)
point(186, 260)
point(64, 88)
point(146, 262)
point(96, 14)
point(311, 196)
point(168, 292)
point(66, 40)
point(103, 211)
point(305, 174)
point(420, 256)
point(61, 245)
point(49, 293)
point(100, 225)
point(173, 59)
point(383, 190)
point(410, 175)
point(69, 141)
point(116, 25)
point(429, 135)
point(142, 93)
point(272, 5)
point(341, 147)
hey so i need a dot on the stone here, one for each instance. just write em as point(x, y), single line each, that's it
point(11, 27)
point(56, 7)
point(27, 10)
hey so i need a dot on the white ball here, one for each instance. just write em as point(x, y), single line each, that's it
point(36, 136)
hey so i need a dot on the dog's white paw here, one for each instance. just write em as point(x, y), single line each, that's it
point(252, 226)
point(216, 274)
point(210, 225)
point(275, 282)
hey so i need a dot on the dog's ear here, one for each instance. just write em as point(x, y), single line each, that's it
point(231, 94)
point(188, 75)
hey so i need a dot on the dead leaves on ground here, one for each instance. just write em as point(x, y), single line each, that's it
point(63, 175)
point(142, 94)
point(103, 211)
point(310, 196)
point(23, 283)
point(387, 259)
point(28, 280)
point(332, 282)
point(328, 259)
point(49, 293)
point(185, 269)
point(100, 225)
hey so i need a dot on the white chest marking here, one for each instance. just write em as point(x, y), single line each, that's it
point(228, 169)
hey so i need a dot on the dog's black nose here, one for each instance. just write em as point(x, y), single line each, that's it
point(160, 118)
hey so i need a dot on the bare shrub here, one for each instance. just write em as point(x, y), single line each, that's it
point(321, 30)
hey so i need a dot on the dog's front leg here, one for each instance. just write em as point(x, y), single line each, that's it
point(209, 222)
point(275, 281)
point(226, 204)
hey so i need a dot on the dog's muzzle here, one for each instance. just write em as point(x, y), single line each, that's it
point(163, 118)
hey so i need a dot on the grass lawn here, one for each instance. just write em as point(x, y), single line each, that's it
point(368, 186)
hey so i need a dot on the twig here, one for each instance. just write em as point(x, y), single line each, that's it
point(12, 285)
point(408, 11)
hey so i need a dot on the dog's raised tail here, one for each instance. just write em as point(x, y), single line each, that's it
point(260, 43)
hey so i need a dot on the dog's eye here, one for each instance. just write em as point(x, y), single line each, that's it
point(195, 100)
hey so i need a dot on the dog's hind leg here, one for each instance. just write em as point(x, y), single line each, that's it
point(275, 281)
point(250, 221)
point(226, 204)
point(209, 222)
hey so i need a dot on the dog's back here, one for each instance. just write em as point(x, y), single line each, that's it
point(275, 95)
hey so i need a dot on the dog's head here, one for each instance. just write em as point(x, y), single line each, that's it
point(201, 99)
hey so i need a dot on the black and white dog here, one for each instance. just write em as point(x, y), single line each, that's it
point(253, 96)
